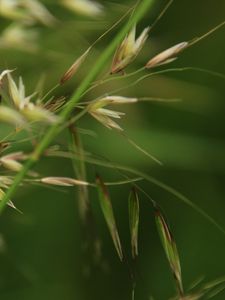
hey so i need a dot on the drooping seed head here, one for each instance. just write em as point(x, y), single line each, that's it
point(104, 117)
point(101, 102)
point(84, 7)
point(39, 12)
point(63, 181)
point(166, 56)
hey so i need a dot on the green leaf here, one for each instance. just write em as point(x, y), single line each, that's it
point(107, 210)
point(133, 206)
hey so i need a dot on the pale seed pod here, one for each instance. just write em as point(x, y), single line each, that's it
point(16, 156)
point(5, 72)
point(63, 181)
point(84, 7)
point(11, 116)
point(105, 120)
point(5, 181)
point(39, 12)
point(101, 102)
point(14, 92)
point(11, 164)
point(166, 56)
point(19, 36)
point(11, 9)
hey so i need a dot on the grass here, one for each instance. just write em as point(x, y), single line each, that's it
point(45, 119)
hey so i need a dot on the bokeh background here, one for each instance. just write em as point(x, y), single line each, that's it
point(44, 252)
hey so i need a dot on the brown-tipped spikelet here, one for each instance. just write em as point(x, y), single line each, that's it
point(166, 56)
point(107, 210)
point(133, 206)
point(75, 66)
point(170, 247)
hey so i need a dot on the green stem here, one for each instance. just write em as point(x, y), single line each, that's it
point(54, 130)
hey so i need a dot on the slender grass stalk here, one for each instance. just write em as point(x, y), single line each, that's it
point(150, 179)
point(75, 145)
point(54, 130)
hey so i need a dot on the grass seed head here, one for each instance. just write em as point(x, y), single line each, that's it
point(170, 248)
point(107, 211)
point(133, 206)
point(10, 161)
point(17, 93)
point(39, 12)
point(36, 113)
point(11, 164)
point(166, 56)
point(5, 72)
point(12, 9)
point(19, 36)
point(63, 181)
point(111, 100)
point(128, 50)
point(75, 66)
point(104, 117)
point(9, 203)
point(11, 116)
point(84, 7)
point(5, 181)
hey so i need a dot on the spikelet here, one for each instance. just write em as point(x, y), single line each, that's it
point(166, 56)
point(101, 102)
point(63, 181)
point(39, 12)
point(84, 7)
point(128, 50)
point(20, 37)
point(75, 66)
point(11, 116)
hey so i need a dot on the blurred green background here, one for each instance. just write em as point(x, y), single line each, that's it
point(44, 252)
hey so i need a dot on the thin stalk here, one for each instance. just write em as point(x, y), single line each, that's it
point(75, 145)
point(54, 130)
point(150, 179)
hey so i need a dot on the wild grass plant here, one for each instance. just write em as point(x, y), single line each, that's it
point(41, 117)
